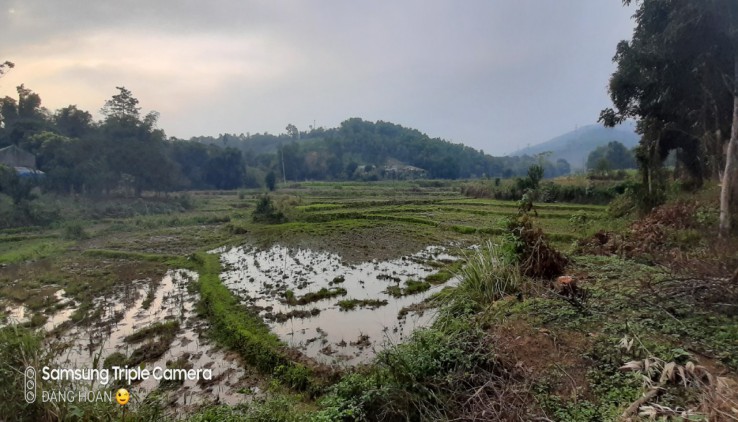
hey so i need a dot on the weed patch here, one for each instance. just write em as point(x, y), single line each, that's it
point(315, 296)
point(411, 287)
point(351, 304)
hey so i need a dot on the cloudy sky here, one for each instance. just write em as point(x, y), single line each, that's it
point(493, 74)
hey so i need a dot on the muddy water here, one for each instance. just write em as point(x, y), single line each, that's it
point(170, 299)
point(20, 314)
point(261, 278)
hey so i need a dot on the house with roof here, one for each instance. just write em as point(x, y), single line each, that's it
point(22, 161)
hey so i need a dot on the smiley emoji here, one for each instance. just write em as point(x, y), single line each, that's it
point(122, 396)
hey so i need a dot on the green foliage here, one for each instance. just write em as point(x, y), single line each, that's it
point(489, 275)
point(163, 329)
point(411, 287)
point(73, 230)
point(294, 376)
point(30, 250)
point(548, 192)
point(613, 156)
point(671, 76)
point(357, 149)
point(276, 408)
point(351, 304)
point(416, 380)
point(19, 348)
point(579, 219)
point(311, 297)
point(535, 174)
point(355, 397)
point(441, 276)
point(637, 197)
point(265, 212)
point(271, 181)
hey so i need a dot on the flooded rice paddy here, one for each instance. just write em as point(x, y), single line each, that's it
point(333, 311)
point(106, 341)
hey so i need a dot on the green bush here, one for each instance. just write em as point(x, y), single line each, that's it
point(265, 212)
point(354, 398)
point(73, 230)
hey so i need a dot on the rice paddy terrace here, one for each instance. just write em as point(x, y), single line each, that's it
point(349, 272)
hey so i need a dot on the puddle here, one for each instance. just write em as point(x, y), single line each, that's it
point(20, 314)
point(262, 277)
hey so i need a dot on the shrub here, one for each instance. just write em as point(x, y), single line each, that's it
point(266, 213)
point(73, 230)
point(271, 181)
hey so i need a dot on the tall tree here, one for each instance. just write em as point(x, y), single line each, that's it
point(122, 106)
point(672, 77)
point(292, 131)
point(22, 118)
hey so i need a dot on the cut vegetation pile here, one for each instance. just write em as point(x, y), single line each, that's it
point(536, 256)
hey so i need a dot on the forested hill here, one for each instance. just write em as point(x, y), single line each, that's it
point(369, 150)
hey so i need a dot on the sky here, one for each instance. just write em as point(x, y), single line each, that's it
point(496, 75)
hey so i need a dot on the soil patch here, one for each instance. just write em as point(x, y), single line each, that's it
point(539, 353)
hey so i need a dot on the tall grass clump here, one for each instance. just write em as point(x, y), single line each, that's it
point(490, 274)
point(19, 348)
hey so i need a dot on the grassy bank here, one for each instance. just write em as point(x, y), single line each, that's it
point(241, 330)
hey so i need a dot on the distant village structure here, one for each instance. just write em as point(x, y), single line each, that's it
point(404, 172)
point(22, 161)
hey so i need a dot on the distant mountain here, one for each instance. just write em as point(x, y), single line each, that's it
point(576, 145)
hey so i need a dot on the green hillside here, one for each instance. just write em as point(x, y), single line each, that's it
point(365, 150)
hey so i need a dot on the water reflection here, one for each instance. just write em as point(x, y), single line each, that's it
point(267, 279)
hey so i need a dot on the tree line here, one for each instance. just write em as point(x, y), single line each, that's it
point(125, 152)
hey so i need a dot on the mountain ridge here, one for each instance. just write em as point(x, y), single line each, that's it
point(575, 146)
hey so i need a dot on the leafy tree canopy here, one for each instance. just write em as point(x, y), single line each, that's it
point(614, 154)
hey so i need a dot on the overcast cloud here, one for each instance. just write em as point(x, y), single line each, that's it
point(495, 75)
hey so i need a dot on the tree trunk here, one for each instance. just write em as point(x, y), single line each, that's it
point(730, 176)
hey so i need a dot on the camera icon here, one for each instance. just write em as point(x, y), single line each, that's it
point(30, 385)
